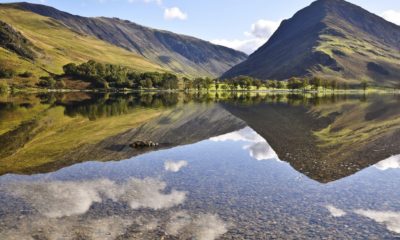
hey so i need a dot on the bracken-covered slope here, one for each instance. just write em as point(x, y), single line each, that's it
point(31, 42)
point(179, 53)
point(330, 38)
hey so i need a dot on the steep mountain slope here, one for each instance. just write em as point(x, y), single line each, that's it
point(331, 38)
point(179, 53)
point(31, 42)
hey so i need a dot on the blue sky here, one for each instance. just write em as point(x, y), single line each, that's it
point(240, 24)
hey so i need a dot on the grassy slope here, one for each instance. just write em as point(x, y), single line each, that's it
point(58, 134)
point(57, 45)
point(356, 55)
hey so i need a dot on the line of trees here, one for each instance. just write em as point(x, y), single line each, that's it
point(110, 75)
point(241, 82)
point(115, 76)
point(316, 83)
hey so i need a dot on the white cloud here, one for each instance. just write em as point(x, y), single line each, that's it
point(200, 227)
point(392, 16)
point(390, 163)
point(259, 148)
point(263, 29)
point(259, 33)
point(67, 198)
point(172, 166)
point(389, 218)
point(174, 13)
point(335, 212)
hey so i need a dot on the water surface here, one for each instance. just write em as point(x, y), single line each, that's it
point(261, 166)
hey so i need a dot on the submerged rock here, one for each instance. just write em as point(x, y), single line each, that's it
point(143, 144)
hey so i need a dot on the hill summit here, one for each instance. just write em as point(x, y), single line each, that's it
point(333, 39)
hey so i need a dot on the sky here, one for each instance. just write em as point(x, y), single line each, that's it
point(240, 24)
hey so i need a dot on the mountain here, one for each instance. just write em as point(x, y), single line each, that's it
point(42, 45)
point(179, 53)
point(330, 38)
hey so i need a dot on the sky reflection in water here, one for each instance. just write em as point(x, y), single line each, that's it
point(220, 189)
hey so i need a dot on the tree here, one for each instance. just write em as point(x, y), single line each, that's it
point(47, 82)
point(4, 88)
point(316, 82)
point(169, 81)
point(216, 83)
point(257, 83)
point(70, 69)
point(60, 84)
point(207, 83)
point(325, 84)
point(345, 86)
point(187, 84)
point(294, 83)
point(146, 83)
point(304, 83)
point(198, 84)
point(364, 84)
point(334, 85)
point(280, 85)
point(245, 82)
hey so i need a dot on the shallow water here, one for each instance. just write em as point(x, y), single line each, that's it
point(228, 167)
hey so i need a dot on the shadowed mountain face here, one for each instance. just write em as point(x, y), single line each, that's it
point(327, 141)
point(179, 53)
point(329, 38)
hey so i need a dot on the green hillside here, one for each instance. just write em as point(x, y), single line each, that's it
point(56, 45)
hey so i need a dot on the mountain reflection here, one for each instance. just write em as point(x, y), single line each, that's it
point(325, 137)
point(331, 140)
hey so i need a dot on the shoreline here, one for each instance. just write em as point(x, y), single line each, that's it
point(325, 92)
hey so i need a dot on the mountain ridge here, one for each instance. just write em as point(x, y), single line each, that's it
point(179, 53)
point(329, 38)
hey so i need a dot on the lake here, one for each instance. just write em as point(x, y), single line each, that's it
point(227, 166)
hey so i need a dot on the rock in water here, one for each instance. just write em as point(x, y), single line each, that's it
point(143, 144)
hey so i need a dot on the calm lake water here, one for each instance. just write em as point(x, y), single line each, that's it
point(259, 166)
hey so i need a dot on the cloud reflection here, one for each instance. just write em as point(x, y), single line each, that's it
point(150, 225)
point(66, 198)
point(172, 166)
point(390, 219)
point(258, 147)
point(335, 212)
point(72, 228)
point(200, 227)
point(390, 163)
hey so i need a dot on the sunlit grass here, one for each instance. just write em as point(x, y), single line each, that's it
point(57, 45)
